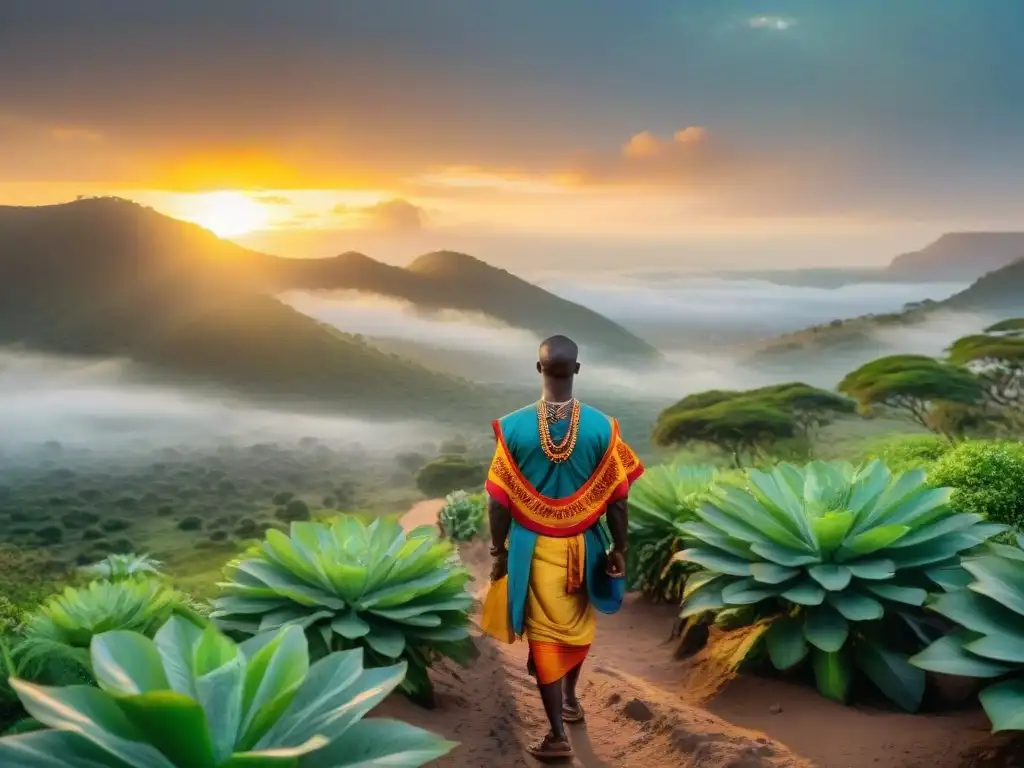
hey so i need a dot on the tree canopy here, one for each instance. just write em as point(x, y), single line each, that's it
point(996, 357)
point(920, 387)
point(739, 422)
point(449, 473)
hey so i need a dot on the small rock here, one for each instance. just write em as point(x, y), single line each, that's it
point(638, 710)
point(614, 699)
point(775, 709)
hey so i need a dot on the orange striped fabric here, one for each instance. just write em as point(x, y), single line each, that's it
point(553, 661)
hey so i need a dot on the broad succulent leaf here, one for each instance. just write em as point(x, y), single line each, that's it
point(463, 516)
point(837, 554)
point(354, 584)
point(62, 628)
point(660, 503)
point(117, 567)
point(990, 641)
point(191, 698)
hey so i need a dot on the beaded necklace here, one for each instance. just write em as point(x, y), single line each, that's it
point(562, 450)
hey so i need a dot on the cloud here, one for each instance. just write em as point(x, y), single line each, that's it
point(273, 199)
point(396, 216)
point(692, 155)
point(773, 23)
point(75, 134)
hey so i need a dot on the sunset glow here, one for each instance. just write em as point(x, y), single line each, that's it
point(226, 214)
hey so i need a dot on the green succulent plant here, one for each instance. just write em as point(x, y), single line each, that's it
point(352, 583)
point(660, 502)
point(463, 516)
point(60, 630)
point(990, 640)
point(837, 562)
point(117, 567)
point(192, 698)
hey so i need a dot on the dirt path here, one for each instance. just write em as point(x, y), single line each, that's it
point(645, 708)
point(493, 710)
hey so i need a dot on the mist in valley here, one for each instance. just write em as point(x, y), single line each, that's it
point(104, 410)
point(704, 326)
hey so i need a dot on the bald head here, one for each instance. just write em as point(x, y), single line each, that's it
point(558, 358)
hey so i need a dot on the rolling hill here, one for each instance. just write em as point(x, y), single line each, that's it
point(449, 280)
point(441, 280)
point(109, 278)
point(996, 295)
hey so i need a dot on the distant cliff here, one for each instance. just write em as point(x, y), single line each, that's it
point(959, 256)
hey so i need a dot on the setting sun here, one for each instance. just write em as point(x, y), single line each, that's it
point(226, 214)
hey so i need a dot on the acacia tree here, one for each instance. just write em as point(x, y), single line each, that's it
point(810, 407)
point(920, 388)
point(996, 357)
point(742, 422)
point(736, 427)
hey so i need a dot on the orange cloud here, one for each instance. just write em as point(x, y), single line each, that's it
point(691, 156)
point(395, 216)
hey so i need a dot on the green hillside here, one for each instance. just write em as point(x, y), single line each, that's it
point(119, 233)
point(108, 278)
point(998, 294)
point(449, 280)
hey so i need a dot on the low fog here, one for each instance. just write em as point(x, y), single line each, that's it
point(104, 407)
point(676, 311)
point(704, 326)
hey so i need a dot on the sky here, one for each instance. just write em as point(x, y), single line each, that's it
point(689, 133)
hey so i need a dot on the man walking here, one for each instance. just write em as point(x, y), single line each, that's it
point(559, 466)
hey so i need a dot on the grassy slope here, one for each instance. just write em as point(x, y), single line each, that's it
point(109, 278)
point(998, 294)
point(437, 280)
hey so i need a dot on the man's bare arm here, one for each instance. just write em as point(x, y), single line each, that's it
point(617, 516)
point(501, 522)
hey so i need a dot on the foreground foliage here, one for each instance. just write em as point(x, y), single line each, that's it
point(191, 698)
point(60, 630)
point(127, 566)
point(990, 640)
point(836, 563)
point(660, 502)
point(463, 516)
point(987, 478)
point(352, 584)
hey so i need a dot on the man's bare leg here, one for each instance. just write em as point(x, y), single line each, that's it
point(572, 711)
point(555, 744)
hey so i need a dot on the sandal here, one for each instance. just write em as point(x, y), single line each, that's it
point(550, 748)
point(573, 714)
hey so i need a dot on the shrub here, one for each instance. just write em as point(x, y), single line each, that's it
point(115, 524)
point(905, 454)
point(351, 584)
point(296, 509)
point(191, 523)
point(194, 698)
point(990, 640)
point(282, 498)
point(62, 627)
point(50, 535)
point(987, 478)
point(659, 502)
point(447, 474)
point(834, 562)
point(463, 516)
point(127, 566)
